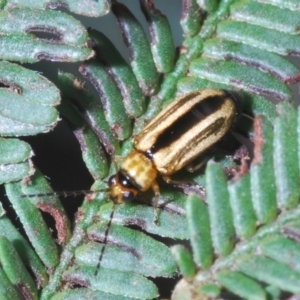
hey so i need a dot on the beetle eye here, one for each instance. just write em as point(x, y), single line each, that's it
point(112, 180)
point(128, 196)
point(125, 181)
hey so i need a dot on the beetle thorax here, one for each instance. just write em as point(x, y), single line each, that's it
point(140, 169)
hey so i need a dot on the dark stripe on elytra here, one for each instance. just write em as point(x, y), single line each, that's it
point(184, 123)
point(171, 111)
point(209, 131)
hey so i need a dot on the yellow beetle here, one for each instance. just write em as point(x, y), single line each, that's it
point(181, 132)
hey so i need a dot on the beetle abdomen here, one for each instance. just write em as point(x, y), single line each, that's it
point(186, 129)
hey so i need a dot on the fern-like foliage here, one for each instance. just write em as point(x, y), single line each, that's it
point(250, 223)
point(244, 234)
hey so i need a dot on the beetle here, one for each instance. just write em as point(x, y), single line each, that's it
point(182, 131)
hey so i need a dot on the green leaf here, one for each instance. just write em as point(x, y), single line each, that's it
point(9, 155)
point(220, 213)
point(13, 48)
point(32, 220)
point(118, 283)
point(7, 290)
point(111, 98)
point(15, 269)
point(241, 285)
point(283, 250)
point(25, 90)
point(18, 42)
point(85, 293)
point(14, 172)
point(121, 72)
point(191, 18)
point(263, 173)
point(74, 92)
point(240, 76)
point(208, 5)
point(242, 208)
point(92, 151)
point(272, 272)
point(162, 45)
point(49, 114)
point(143, 216)
point(260, 37)
point(142, 254)
point(250, 11)
point(50, 205)
point(81, 7)
point(269, 62)
point(24, 249)
point(193, 47)
point(140, 54)
point(290, 4)
point(198, 225)
point(286, 157)
point(185, 261)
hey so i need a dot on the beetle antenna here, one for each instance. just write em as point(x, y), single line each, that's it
point(64, 193)
point(105, 239)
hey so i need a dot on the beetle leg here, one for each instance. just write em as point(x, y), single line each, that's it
point(155, 188)
point(118, 158)
point(169, 180)
point(192, 167)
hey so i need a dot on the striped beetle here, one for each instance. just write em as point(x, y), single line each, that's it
point(181, 132)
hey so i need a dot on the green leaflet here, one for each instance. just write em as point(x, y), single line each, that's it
point(118, 283)
point(135, 251)
point(268, 254)
point(21, 94)
point(240, 76)
point(121, 73)
point(24, 89)
point(259, 37)
point(250, 11)
point(162, 46)
point(18, 42)
point(140, 55)
point(81, 7)
point(191, 18)
point(110, 96)
point(14, 268)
